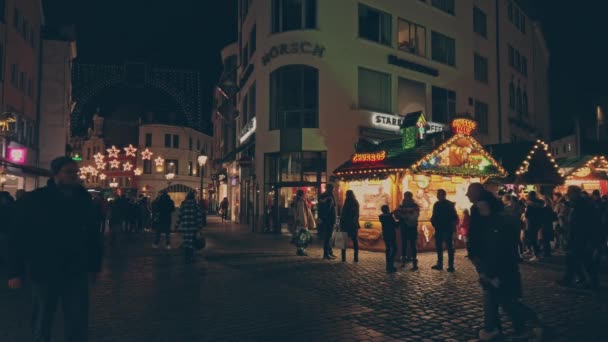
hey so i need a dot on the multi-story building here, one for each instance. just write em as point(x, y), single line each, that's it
point(314, 77)
point(20, 67)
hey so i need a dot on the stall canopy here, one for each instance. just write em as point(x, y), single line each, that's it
point(585, 168)
point(526, 163)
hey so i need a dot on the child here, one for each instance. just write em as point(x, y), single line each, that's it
point(463, 230)
point(390, 239)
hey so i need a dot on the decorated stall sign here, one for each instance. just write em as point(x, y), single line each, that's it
point(369, 157)
point(464, 126)
point(17, 155)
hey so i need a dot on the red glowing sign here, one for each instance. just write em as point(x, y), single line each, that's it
point(17, 155)
point(368, 157)
point(464, 126)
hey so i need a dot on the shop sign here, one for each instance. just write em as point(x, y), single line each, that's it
point(464, 126)
point(294, 48)
point(368, 157)
point(393, 123)
point(17, 155)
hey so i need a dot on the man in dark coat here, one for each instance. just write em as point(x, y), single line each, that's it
point(327, 218)
point(55, 241)
point(444, 220)
point(163, 208)
point(493, 240)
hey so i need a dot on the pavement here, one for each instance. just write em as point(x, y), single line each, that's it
point(252, 287)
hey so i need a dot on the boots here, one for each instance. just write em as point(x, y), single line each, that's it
point(344, 255)
point(356, 256)
point(414, 265)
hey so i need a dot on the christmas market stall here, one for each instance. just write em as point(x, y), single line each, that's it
point(424, 160)
point(588, 172)
point(530, 165)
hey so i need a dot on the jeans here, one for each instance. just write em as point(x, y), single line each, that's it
point(448, 238)
point(355, 247)
point(408, 241)
point(73, 292)
point(391, 252)
point(326, 233)
point(517, 311)
point(167, 238)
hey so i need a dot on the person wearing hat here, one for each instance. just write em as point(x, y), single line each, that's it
point(55, 244)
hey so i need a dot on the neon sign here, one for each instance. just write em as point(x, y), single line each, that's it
point(17, 155)
point(368, 157)
point(464, 126)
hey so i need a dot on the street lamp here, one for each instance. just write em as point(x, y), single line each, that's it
point(202, 160)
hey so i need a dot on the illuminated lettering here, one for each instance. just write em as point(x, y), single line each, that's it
point(464, 126)
point(368, 157)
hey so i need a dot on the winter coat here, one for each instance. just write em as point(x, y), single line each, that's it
point(302, 215)
point(408, 214)
point(535, 214)
point(583, 225)
point(464, 225)
point(478, 223)
point(349, 220)
point(445, 218)
point(163, 208)
point(54, 236)
point(327, 209)
point(190, 217)
point(388, 227)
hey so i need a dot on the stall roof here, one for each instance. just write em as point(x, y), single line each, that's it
point(585, 167)
point(540, 168)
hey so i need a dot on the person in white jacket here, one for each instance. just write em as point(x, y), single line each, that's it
point(302, 220)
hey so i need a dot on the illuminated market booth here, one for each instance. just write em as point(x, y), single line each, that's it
point(421, 162)
point(530, 165)
point(588, 172)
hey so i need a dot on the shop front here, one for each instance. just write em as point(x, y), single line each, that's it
point(590, 173)
point(285, 174)
point(422, 164)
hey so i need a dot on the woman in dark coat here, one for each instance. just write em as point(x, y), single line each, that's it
point(349, 222)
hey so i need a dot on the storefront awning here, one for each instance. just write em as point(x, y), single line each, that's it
point(527, 162)
point(27, 169)
point(231, 156)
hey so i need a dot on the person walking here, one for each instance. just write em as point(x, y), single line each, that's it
point(189, 223)
point(513, 209)
point(163, 207)
point(445, 221)
point(463, 227)
point(408, 214)
point(492, 250)
point(349, 222)
point(534, 218)
point(55, 243)
point(302, 220)
point(389, 225)
point(224, 209)
point(327, 220)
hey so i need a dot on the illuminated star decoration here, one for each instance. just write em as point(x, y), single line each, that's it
point(98, 158)
point(146, 155)
point(113, 152)
point(159, 161)
point(83, 170)
point(101, 165)
point(137, 172)
point(114, 164)
point(102, 176)
point(94, 172)
point(130, 150)
point(127, 166)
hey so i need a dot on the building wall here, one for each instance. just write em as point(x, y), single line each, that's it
point(56, 98)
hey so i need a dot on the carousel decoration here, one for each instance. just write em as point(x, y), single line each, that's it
point(146, 155)
point(113, 152)
point(115, 164)
point(130, 151)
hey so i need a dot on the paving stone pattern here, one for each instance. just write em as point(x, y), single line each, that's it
point(252, 287)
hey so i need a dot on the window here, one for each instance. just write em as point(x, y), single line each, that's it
point(147, 167)
point(443, 49)
point(33, 39)
point(245, 56)
point(245, 5)
point(295, 167)
point(16, 19)
point(1, 56)
point(175, 141)
point(14, 75)
point(481, 68)
point(2, 12)
point(25, 29)
point(245, 110)
point(517, 61)
point(511, 56)
point(30, 87)
point(480, 22)
point(524, 103)
point(447, 6)
point(190, 143)
point(518, 102)
point(190, 169)
point(294, 97)
point(198, 145)
point(252, 41)
point(523, 24)
point(172, 166)
point(22, 81)
point(148, 140)
point(524, 66)
point(510, 11)
point(374, 90)
point(511, 96)
point(517, 17)
point(411, 38)
point(569, 147)
point(252, 103)
point(481, 115)
point(411, 96)
point(290, 15)
point(168, 140)
point(89, 153)
point(444, 104)
point(374, 25)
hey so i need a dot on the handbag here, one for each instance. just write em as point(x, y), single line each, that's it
point(340, 240)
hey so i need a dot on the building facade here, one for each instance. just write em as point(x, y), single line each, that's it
point(311, 86)
point(21, 22)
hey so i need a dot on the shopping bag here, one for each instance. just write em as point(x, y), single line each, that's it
point(340, 240)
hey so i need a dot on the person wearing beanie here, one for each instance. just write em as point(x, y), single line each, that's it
point(55, 238)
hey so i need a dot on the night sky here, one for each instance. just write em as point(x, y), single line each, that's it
point(191, 33)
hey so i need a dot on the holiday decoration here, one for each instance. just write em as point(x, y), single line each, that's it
point(137, 172)
point(101, 165)
point(146, 155)
point(127, 166)
point(102, 176)
point(114, 164)
point(130, 151)
point(464, 126)
point(368, 157)
point(539, 147)
point(113, 152)
point(98, 157)
point(159, 161)
point(596, 167)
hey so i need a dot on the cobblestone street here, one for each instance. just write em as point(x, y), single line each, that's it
point(252, 287)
